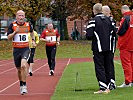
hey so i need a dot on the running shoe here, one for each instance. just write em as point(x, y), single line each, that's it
point(23, 90)
point(51, 73)
point(30, 73)
point(125, 85)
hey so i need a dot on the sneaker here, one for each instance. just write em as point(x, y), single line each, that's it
point(30, 73)
point(51, 73)
point(102, 91)
point(125, 85)
point(23, 90)
point(112, 86)
point(132, 84)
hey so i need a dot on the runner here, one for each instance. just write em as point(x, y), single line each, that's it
point(32, 49)
point(18, 33)
point(51, 37)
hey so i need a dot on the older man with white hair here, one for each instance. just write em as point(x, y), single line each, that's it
point(51, 37)
point(125, 45)
point(100, 31)
point(107, 12)
point(18, 33)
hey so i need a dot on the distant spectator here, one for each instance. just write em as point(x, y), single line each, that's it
point(73, 34)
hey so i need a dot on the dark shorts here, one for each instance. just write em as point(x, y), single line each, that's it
point(31, 59)
point(19, 54)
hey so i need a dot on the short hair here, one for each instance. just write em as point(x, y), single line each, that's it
point(125, 7)
point(98, 7)
point(20, 11)
point(106, 10)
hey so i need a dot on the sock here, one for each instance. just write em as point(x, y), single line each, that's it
point(24, 83)
point(21, 83)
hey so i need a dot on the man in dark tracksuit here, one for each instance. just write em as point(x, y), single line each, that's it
point(101, 30)
point(107, 12)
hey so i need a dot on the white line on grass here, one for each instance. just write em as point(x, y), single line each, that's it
point(68, 61)
point(18, 80)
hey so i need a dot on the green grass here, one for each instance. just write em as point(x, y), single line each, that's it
point(86, 84)
point(67, 49)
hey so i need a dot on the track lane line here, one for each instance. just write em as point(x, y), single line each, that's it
point(18, 80)
point(7, 70)
point(11, 69)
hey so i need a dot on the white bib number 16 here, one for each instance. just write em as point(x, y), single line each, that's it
point(20, 38)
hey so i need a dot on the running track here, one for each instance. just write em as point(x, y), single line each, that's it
point(40, 85)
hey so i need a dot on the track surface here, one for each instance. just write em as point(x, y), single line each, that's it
point(41, 86)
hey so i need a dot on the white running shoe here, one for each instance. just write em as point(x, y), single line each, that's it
point(125, 85)
point(23, 90)
point(51, 73)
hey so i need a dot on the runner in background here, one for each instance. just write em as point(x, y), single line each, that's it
point(32, 49)
point(51, 37)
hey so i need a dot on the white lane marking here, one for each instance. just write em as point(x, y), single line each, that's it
point(12, 69)
point(18, 80)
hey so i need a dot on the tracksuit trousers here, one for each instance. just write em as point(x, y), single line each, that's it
point(127, 64)
point(51, 53)
point(104, 68)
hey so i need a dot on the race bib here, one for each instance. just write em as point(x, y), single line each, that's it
point(51, 38)
point(23, 37)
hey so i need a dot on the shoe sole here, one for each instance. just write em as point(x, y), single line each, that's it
point(23, 93)
point(30, 74)
point(52, 74)
point(108, 91)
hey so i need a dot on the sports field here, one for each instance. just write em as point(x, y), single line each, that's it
point(76, 82)
point(79, 82)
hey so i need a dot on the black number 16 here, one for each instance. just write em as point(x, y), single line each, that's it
point(22, 37)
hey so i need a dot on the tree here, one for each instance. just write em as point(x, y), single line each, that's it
point(33, 8)
point(59, 13)
point(59, 9)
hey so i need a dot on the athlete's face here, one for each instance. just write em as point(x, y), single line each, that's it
point(20, 16)
point(50, 26)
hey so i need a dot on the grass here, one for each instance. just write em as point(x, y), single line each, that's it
point(67, 49)
point(82, 87)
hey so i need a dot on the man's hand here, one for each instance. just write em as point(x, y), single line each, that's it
point(58, 43)
point(17, 30)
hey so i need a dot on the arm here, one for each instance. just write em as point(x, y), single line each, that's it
point(36, 37)
point(42, 37)
point(31, 32)
point(124, 24)
point(58, 37)
point(32, 36)
point(90, 29)
point(11, 33)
